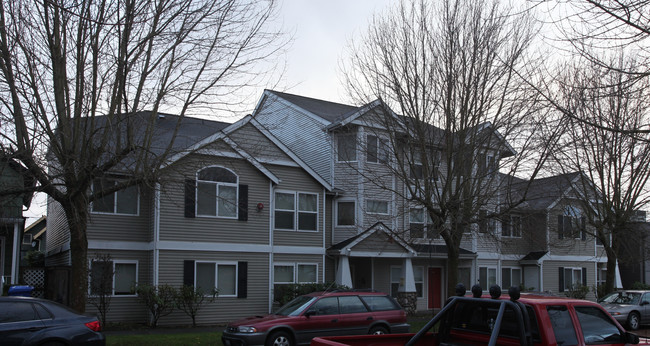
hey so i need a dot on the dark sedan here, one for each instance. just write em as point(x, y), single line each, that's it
point(30, 321)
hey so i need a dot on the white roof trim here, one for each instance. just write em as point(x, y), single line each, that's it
point(373, 230)
point(252, 160)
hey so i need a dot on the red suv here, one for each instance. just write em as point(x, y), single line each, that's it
point(320, 314)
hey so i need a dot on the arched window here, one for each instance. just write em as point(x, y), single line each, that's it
point(216, 192)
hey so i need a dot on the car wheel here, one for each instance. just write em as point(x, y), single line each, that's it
point(280, 338)
point(378, 330)
point(633, 321)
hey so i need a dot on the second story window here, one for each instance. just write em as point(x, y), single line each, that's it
point(511, 226)
point(417, 166)
point(485, 224)
point(377, 207)
point(420, 225)
point(376, 150)
point(123, 202)
point(296, 211)
point(571, 224)
point(347, 147)
point(216, 192)
point(345, 213)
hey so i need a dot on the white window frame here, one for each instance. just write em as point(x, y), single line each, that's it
point(216, 276)
point(296, 211)
point(574, 270)
point(510, 268)
point(426, 218)
point(29, 238)
point(352, 136)
point(382, 150)
point(295, 271)
point(117, 261)
point(217, 185)
point(115, 199)
point(336, 212)
point(370, 211)
point(393, 281)
point(421, 269)
point(486, 285)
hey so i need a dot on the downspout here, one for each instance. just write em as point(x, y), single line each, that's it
point(156, 235)
point(271, 259)
point(324, 213)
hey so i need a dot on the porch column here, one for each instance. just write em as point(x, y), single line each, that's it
point(407, 294)
point(343, 276)
point(16, 254)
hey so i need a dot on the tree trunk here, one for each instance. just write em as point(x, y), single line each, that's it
point(610, 279)
point(453, 252)
point(77, 216)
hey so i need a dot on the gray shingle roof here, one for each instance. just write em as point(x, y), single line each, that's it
point(330, 111)
point(544, 191)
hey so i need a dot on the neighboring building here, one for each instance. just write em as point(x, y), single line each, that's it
point(34, 238)
point(13, 183)
point(280, 197)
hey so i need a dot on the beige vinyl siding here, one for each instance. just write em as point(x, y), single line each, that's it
point(126, 309)
point(568, 245)
point(258, 145)
point(223, 309)
point(551, 275)
point(301, 259)
point(124, 227)
point(174, 226)
point(294, 179)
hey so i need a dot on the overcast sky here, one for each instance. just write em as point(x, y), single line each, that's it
point(320, 31)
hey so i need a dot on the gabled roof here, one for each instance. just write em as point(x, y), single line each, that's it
point(544, 192)
point(330, 111)
point(377, 227)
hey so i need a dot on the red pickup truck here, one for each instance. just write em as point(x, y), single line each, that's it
point(507, 320)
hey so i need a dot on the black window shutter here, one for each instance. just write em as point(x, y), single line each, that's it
point(190, 197)
point(188, 273)
point(560, 227)
point(242, 279)
point(561, 279)
point(243, 202)
point(583, 230)
point(584, 276)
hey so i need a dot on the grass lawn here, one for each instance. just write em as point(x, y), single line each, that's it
point(198, 338)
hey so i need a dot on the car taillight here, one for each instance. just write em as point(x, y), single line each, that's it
point(94, 326)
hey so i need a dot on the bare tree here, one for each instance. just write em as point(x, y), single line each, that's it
point(75, 77)
point(449, 78)
point(613, 159)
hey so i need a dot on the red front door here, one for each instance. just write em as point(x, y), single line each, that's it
point(435, 296)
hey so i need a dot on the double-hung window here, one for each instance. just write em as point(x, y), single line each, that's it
point(510, 277)
point(511, 226)
point(114, 277)
point(420, 225)
point(572, 278)
point(486, 224)
point(487, 277)
point(216, 192)
point(571, 224)
point(221, 276)
point(123, 202)
point(347, 147)
point(290, 273)
point(376, 149)
point(296, 211)
point(345, 213)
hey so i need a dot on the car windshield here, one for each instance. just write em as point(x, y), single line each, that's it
point(622, 298)
point(296, 306)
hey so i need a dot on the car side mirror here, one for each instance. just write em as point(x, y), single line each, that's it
point(644, 303)
point(631, 338)
point(310, 313)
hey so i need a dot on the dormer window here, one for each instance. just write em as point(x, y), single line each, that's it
point(216, 192)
